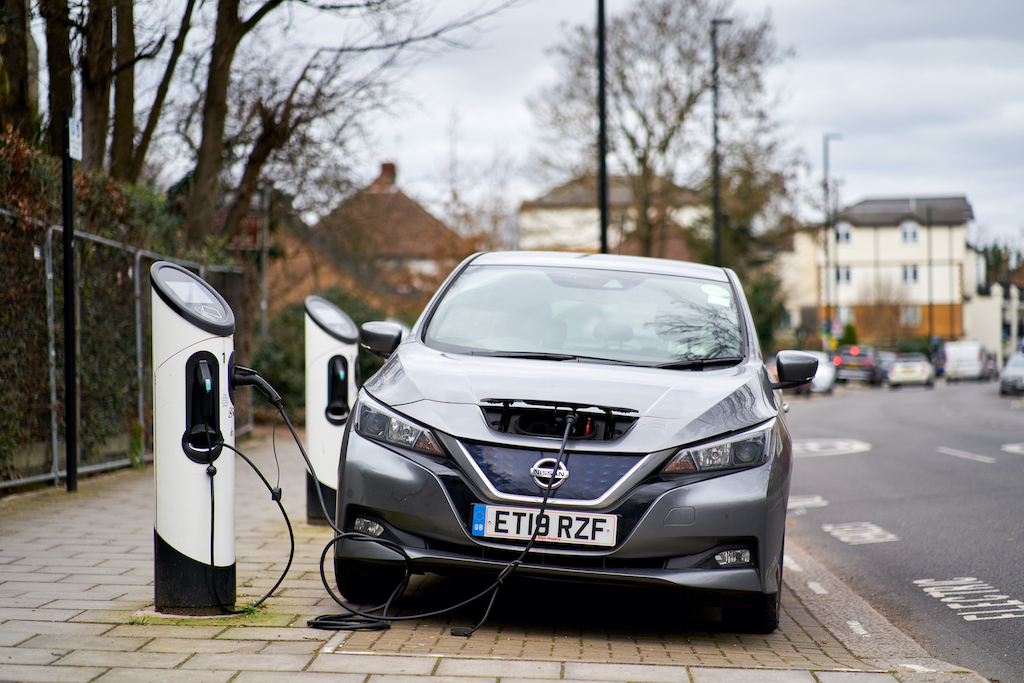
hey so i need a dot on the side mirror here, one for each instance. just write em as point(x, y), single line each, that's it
point(380, 338)
point(794, 368)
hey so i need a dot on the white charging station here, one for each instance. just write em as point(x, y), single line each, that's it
point(193, 412)
point(332, 345)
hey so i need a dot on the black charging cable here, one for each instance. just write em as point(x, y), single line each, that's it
point(356, 619)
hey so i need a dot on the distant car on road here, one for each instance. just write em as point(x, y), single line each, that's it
point(859, 363)
point(965, 360)
point(911, 368)
point(1011, 381)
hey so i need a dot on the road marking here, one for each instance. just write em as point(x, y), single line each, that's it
point(918, 668)
point(857, 628)
point(335, 642)
point(1015, 448)
point(790, 564)
point(965, 455)
point(817, 588)
point(808, 448)
point(807, 502)
point(973, 599)
point(860, 533)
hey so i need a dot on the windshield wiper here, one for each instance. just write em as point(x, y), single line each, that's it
point(700, 363)
point(530, 355)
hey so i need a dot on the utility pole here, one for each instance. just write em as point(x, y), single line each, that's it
point(602, 133)
point(716, 200)
point(828, 235)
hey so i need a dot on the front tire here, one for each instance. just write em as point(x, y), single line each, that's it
point(762, 615)
point(366, 583)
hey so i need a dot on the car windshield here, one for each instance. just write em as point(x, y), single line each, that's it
point(1016, 362)
point(574, 313)
point(912, 358)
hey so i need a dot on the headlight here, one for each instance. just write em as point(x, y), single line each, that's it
point(377, 423)
point(747, 450)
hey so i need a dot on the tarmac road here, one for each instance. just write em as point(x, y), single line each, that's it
point(913, 497)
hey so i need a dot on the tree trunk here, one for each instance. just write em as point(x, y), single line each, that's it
point(97, 60)
point(58, 61)
point(273, 135)
point(17, 108)
point(122, 144)
point(139, 156)
point(201, 220)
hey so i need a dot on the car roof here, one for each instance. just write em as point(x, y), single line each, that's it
point(639, 264)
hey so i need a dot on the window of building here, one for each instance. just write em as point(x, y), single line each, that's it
point(908, 231)
point(843, 233)
point(910, 274)
point(910, 316)
point(842, 275)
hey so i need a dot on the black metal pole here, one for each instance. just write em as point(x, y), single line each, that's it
point(602, 132)
point(70, 374)
point(716, 201)
point(931, 311)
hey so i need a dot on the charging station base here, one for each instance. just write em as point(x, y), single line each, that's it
point(314, 514)
point(185, 586)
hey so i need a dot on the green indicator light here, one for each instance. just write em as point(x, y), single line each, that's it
point(209, 386)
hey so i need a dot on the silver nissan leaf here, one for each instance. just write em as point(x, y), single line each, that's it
point(609, 414)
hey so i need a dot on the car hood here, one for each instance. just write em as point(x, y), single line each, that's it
point(445, 391)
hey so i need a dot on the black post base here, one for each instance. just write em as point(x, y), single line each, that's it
point(314, 514)
point(185, 586)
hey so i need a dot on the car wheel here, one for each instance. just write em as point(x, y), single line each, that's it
point(893, 386)
point(366, 583)
point(761, 615)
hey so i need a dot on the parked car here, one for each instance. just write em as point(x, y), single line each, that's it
point(1011, 381)
point(824, 381)
point(911, 368)
point(965, 360)
point(677, 459)
point(886, 359)
point(859, 363)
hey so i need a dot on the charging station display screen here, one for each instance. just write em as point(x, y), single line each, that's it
point(192, 298)
point(190, 292)
point(332, 319)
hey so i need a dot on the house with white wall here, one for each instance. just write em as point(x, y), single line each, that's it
point(893, 268)
point(567, 218)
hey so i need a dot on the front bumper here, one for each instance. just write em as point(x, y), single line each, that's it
point(669, 532)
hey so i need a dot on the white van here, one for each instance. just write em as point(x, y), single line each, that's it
point(965, 360)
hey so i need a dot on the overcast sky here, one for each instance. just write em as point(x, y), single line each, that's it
point(928, 96)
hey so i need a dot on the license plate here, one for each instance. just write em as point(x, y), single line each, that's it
point(555, 526)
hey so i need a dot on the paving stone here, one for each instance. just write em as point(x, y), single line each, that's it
point(749, 676)
point(26, 673)
point(381, 664)
point(245, 662)
point(143, 660)
point(123, 675)
point(304, 677)
point(498, 668)
point(30, 655)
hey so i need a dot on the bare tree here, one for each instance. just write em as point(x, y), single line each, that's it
point(97, 60)
point(17, 108)
point(881, 318)
point(658, 77)
point(59, 66)
point(389, 27)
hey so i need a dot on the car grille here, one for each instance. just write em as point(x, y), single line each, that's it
point(591, 475)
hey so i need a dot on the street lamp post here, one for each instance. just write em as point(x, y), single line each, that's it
point(716, 201)
point(602, 135)
point(828, 232)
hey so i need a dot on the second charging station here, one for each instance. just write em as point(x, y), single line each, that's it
point(332, 346)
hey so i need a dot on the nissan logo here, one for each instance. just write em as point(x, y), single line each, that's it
point(545, 476)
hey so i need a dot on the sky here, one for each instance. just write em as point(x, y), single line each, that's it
point(927, 95)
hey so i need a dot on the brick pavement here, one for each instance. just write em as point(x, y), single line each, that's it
point(76, 604)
